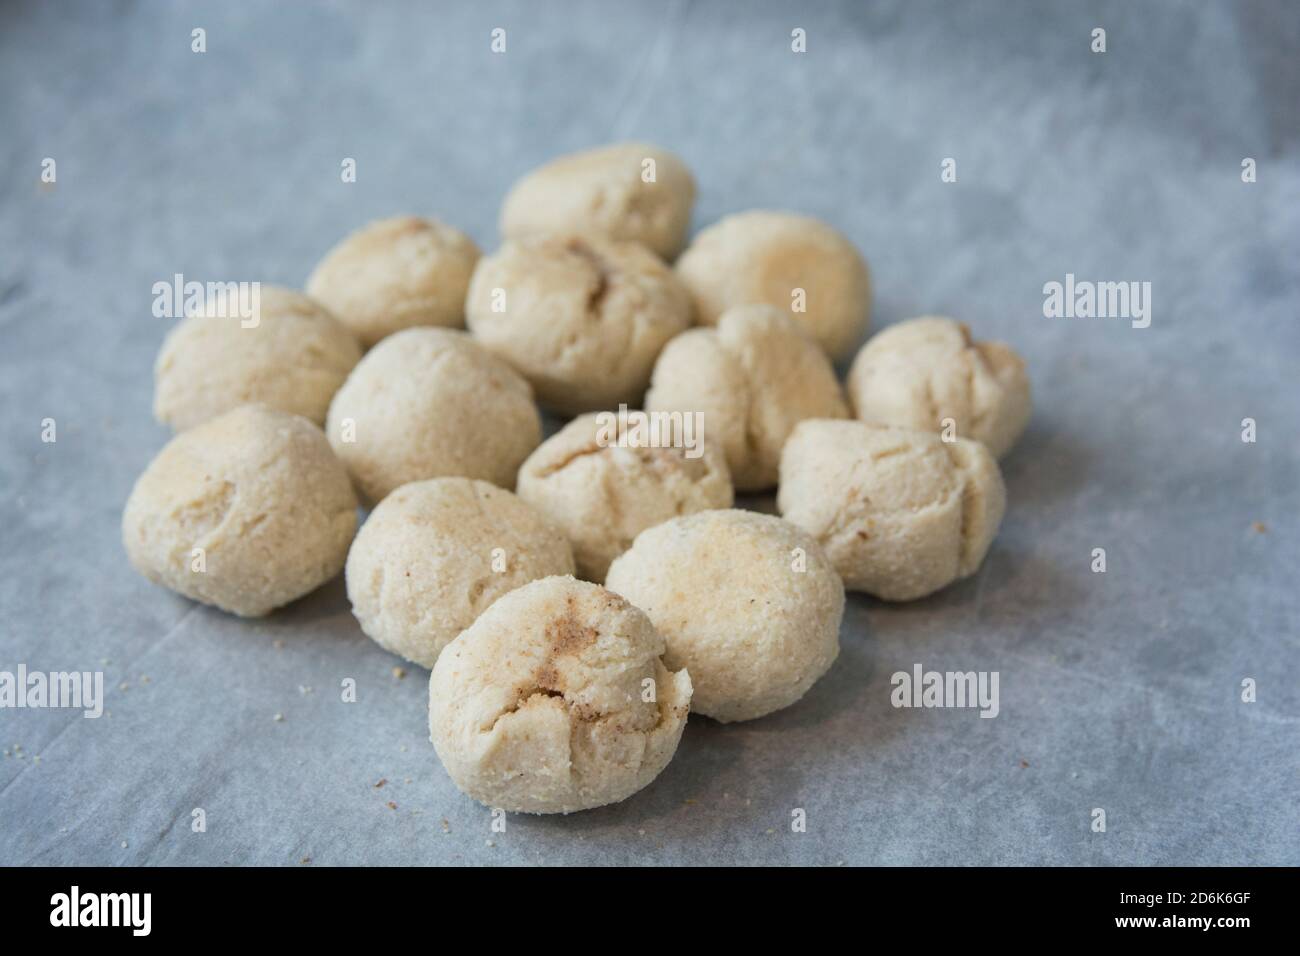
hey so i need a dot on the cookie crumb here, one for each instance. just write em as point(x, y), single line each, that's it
point(399, 672)
point(1260, 527)
point(382, 781)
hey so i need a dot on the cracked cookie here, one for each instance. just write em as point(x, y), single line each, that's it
point(582, 319)
point(917, 373)
point(556, 700)
point(602, 494)
point(754, 378)
point(900, 513)
point(627, 191)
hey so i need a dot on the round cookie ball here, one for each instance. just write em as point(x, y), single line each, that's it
point(540, 705)
point(291, 355)
point(434, 554)
point(765, 256)
point(604, 192)
point(429, 403)
point(260, 496)
point(394, 274)
point(746, 602)
point(581, 318)
point(603, 485)
point(754, 378)
point(919, 372)
point(900, 513)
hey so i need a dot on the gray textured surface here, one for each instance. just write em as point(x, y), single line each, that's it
point(1118, 690)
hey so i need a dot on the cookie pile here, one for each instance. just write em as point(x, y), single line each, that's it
point(550, 692)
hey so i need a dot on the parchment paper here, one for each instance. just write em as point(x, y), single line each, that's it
point(1119, 690)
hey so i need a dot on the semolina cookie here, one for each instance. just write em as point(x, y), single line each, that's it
point(556, 700)
point(434, 554)
point(900, 513)
point(394, 274)
point(747, 603)
point(629, 191)
point(754, 378)
point(246, 512)
point(431, 403)
point(291, 355)
point(581, 318)
point(796, 263)
point(917, 373)
point(603, 486)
